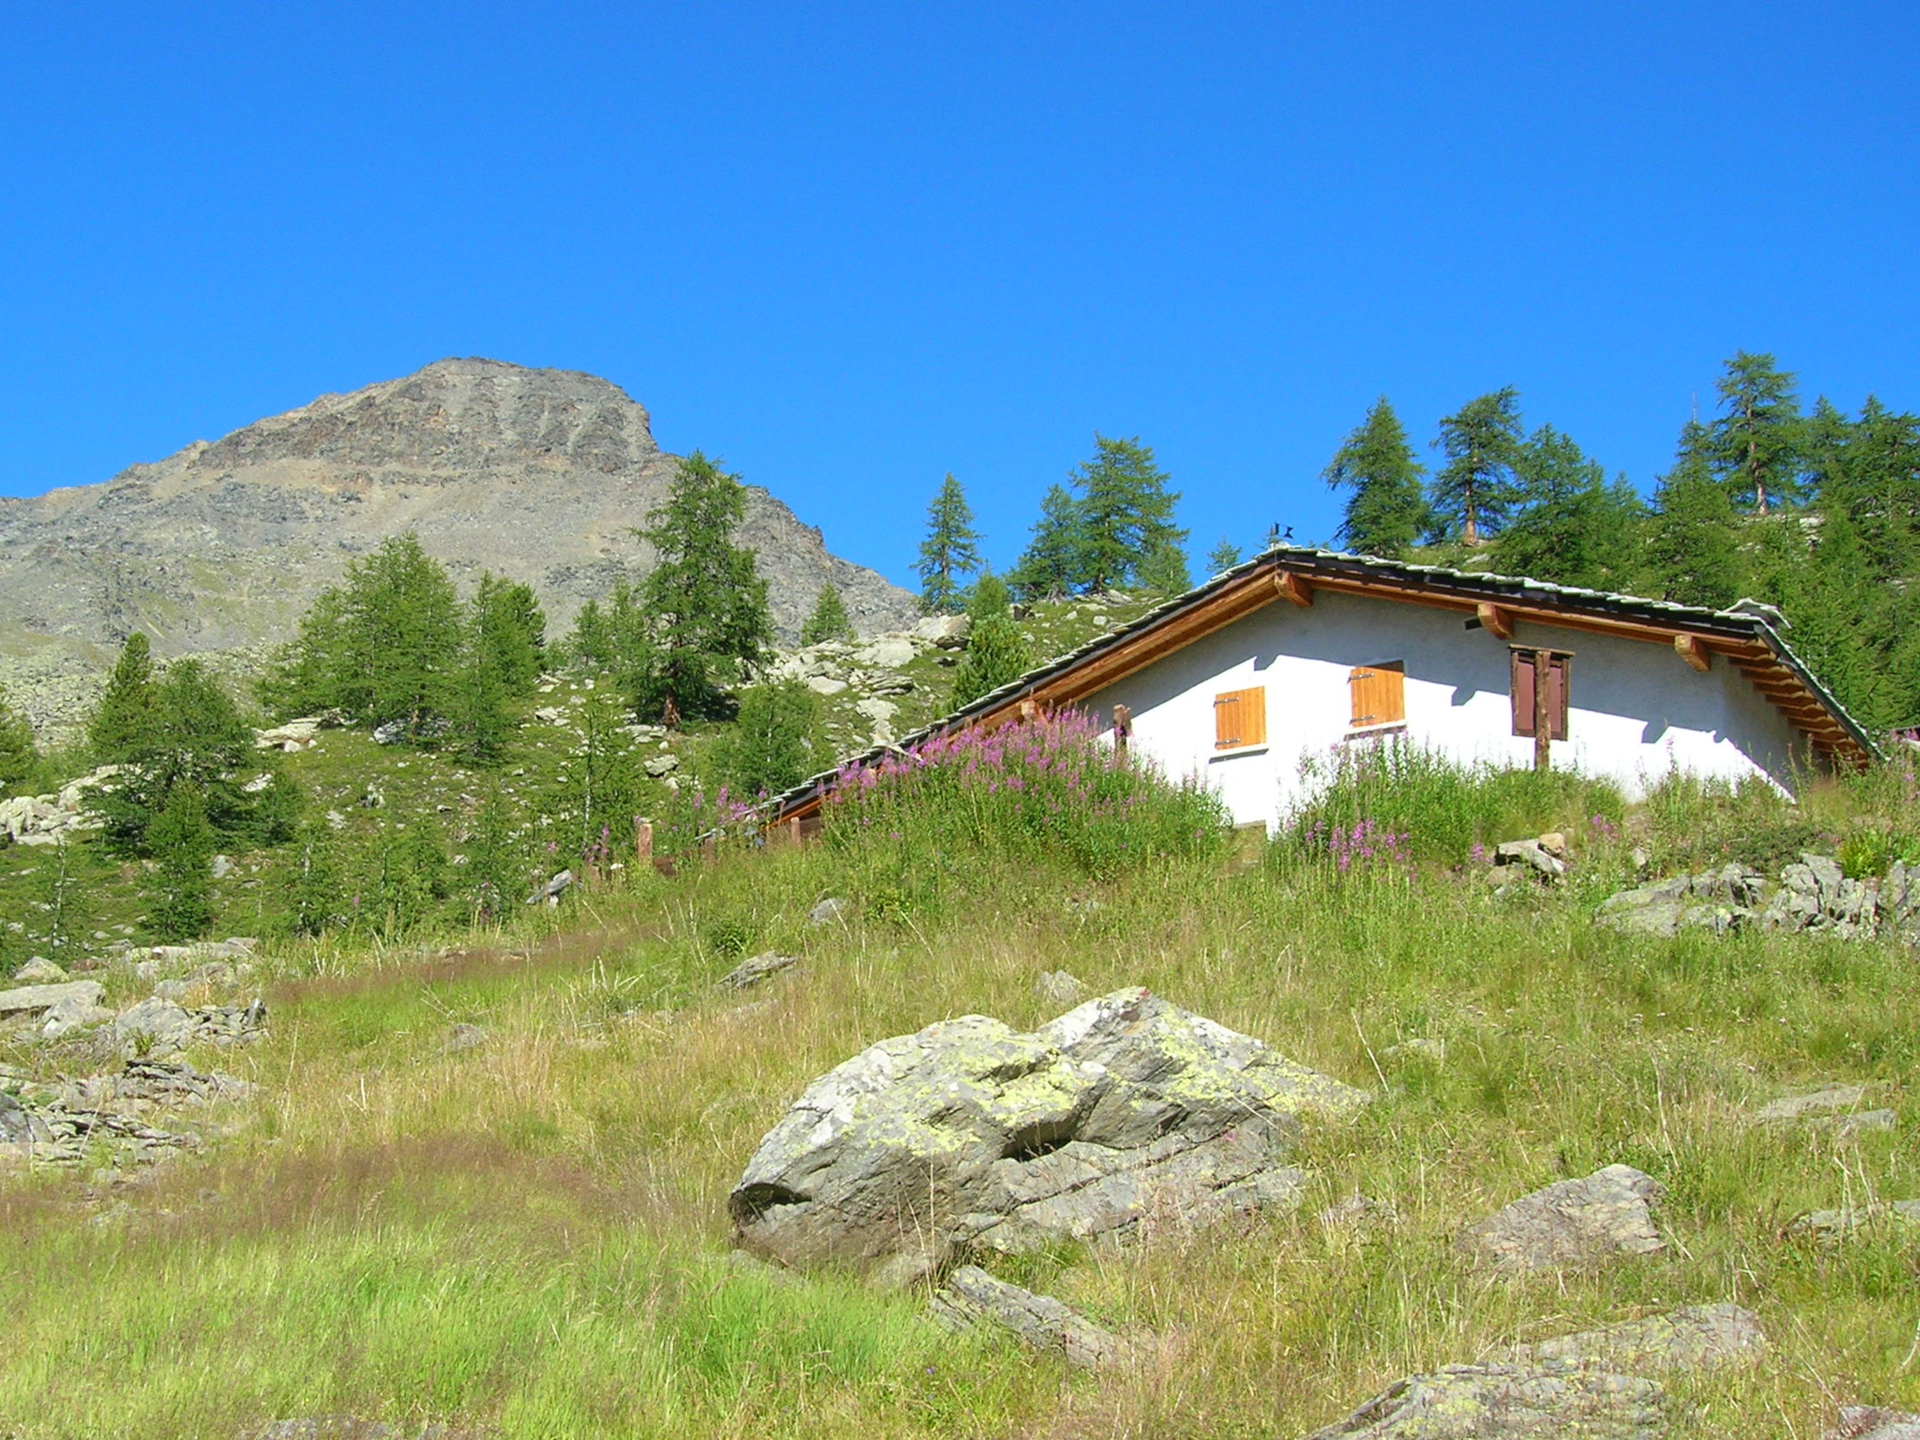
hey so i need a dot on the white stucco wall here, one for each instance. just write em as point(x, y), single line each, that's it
point(1637, 709)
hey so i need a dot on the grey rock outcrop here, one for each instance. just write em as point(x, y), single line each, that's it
point(1812, 895)
point(1839, 1224)
point(971, 1297)
point(226, 544)
point(1598, 1385)
point(751, 971)
point(31, 1002)
point(1871, 1422)
point(1604, 1216)
point(1124, 1110)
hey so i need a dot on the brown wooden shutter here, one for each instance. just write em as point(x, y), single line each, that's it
point(1240, 718)
point(1520, 686)
point(1378, 693)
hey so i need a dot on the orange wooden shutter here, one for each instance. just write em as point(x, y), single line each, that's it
point(1379, 694)
point(1240, 718)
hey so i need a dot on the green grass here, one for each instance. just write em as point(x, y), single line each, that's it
point(531, 1233)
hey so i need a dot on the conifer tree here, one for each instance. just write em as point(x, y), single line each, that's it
point(1475, 488)
point(775, 742)
point(590, 646)
point(705, 603)
point(1223, 557)
point(1755, 444)
point(829, 620)
point(1125, 515)
point(317, 887)
point(1386, 511)
point(1049, 567)
point(1692, 549)
point(510, 632)
point(1571, 527)
point(950, 552)
point(496, 876)
point(19, 756)
point(179, 890)
point(997, 649)
point(120, 720)
point(1163, 569)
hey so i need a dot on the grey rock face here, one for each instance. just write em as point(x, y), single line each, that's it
point(972, 1297)
point(1508, 1402)
point(1812, 895)
point(154, 1024)
point(27, 1001)
point(969, 1133)
point(237, 537)
point(1604, 1216)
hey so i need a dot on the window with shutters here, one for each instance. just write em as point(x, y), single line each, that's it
point(1521, 688)
point(1240, 718)
point(1379, 694)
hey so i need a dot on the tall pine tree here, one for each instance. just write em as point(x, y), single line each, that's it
point(704, 603)
point(1386, 512)
point(125, 712)
point(1049, 567)
point(829, 620)
point(1571, 527)
point(1692, 552)
point(950, 552)
point(1125, 516)
point(19, 757)
point(997, 649)
point(1755, 444)
point(1475, 488)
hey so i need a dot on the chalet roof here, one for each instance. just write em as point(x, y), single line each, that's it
point(1746, 634)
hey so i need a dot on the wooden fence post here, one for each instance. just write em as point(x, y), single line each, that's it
point(1542, 710)
point(1122, 732)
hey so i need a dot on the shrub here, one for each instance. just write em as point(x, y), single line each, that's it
point(1043, 790)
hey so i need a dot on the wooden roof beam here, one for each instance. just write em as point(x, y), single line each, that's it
point(1689, 649)
point(1294, 586)
point(1496, 621)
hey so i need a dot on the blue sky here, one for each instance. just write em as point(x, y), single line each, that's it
point(852, 247)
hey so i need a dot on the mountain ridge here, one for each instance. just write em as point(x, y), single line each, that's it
point(537, 474)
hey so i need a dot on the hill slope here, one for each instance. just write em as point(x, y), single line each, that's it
point(535, 474)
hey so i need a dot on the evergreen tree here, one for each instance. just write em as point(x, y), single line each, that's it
point(1692, 550)
point(1572, 527)
point(601, 787)
point(950, 551)
point(997, 650)
point(775, 743)
point(407, 875)
point(180, 887)
point(119, 723)
point(1163, 569)
point(1386, 511)
point(194, 738)
point(1050, 566)
point(496, 876)
point(705, 603)
point(19, 757)
point(62, 893)
point(1125, 515)
point(317, 887)
point(1223, 557)
point(477, 701)
point(1755, 444)
point(509, 630)
point(384, 646)
point(1475, 488)
point(829, 620)
point(590, 646)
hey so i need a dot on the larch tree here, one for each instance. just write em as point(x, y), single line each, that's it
point(1223, 557)
point(125, 711)
point(1755, 444)
point(1692, 550)
point(1570, 526)
point(704, 604)
point(950, 552)
point(19, 756)
point(1386, 510)
point(997, 649)
point(829, 620)
point(1475, 488)
point(1049, 567)
point(1125, 516)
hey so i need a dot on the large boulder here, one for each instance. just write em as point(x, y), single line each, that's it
point(969, 1133)
point(32, 1001)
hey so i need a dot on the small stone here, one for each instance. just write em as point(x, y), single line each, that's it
point(1838, 1224)
point(1356, 1212)
point(1871, 1422)
point(27, 1000)
point(1433, 1051)
point(1060, 988)
point(825, 685)
point(1508, 1402)
point(154, 1025)
point(661, 766)
point(39, 971)
point(749, 973)
point(1827, 1100)
point(1604, 1216)
point(827, 911)
point(1698, 1337)
point(464, 1037)
point(1531, 854)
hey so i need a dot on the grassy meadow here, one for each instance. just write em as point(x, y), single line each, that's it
point(528, 1236)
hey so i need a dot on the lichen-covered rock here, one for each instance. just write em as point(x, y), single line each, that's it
point(1604, 1216)
point(1698, 1337)
point(1125, 1109)
point(32, 1001)
point(1827, 1101)
point(1557, 1398)
point(972, 1297)
point(1838, 1224)
point(1871, 1422)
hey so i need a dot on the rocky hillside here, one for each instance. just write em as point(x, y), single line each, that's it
point(535, 474)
